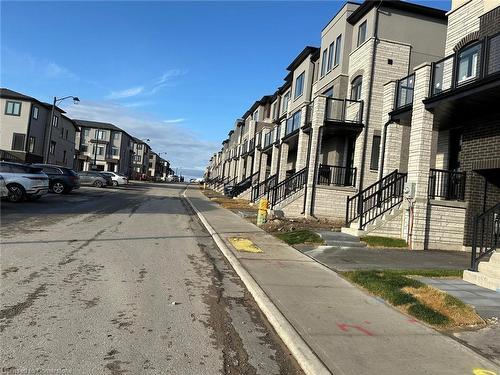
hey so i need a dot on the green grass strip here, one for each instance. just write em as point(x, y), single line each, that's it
point(300, 236)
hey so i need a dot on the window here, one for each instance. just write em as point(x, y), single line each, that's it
point(299, 85)
point(55, 121)
point(18, 141)
point(114, 151)
point(329, 93)
point(275, 109)
point(375, 152)
point(356, 88)
point(62, 132)
point(86, 132)
point(64, 156)
point(100, 134)
point(362, 33)
point(255, 115)
point(323, 62)
point(293, 123)
point(35, 113)
point(100, 150)
point(338, 46)
point(13, 108)
point(66, 136)
point(31, 144)
point(84, 148)
point(139, 146)
point(116, 135)
point(52, 147)
point(331, 52)
point(286, 99)
point(467, 64)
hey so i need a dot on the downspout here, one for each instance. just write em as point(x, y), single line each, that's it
point(384, 139)
point(27, 140)
point(369, 102)
point(307, 165)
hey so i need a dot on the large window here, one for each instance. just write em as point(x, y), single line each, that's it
point(331, 51)
point(362, 33)
point(100, 150)
point(114, 151)
point(299, 85)
point(286, 99)
point(86, 132)
point(467, 63)
point(275, 110)
point(323, 62)
point(338, 46)
point(375, 152)
point(329, 93)
point(18, 141)
point(13, 108)
point(293, 123)
point(356, 86)
point(255, 115)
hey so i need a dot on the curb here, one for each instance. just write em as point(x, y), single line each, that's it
point(305, 357)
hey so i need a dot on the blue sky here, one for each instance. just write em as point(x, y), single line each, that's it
point(178, 73)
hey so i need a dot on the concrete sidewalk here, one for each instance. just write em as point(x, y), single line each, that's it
point(349, 331)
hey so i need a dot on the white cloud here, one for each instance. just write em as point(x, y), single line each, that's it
point(127, 93)
point(175, 121)
point(53, 70)
point(185, 149)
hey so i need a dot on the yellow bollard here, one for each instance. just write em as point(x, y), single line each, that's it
point(262, 213)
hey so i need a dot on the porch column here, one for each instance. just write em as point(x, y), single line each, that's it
point(318, 118)
point(420, 152)
point(392, 133)
point(303, 143)
point(283, 162)
point(263, 166)
point(240, 172)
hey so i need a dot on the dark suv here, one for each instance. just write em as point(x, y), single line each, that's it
point(61, 179)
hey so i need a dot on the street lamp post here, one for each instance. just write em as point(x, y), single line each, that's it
point(51, 121)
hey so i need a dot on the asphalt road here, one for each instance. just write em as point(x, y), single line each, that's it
point(124, 281)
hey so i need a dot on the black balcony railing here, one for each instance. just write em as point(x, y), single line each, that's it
point(376, 199)
point(263, 187)
point(486, 235)
point(475, 62)
point(336, 175)
point(447, 185)
point(344, 110)
point(404, 91)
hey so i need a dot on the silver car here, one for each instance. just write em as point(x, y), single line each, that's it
point(24, 181)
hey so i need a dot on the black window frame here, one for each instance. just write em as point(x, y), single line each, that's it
point(13, 113)
point(375, 153)
point(356, 88)
point(23, 142)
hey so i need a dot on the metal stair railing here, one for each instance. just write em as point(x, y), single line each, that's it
point(243, 185)
point(287, 187)
point(485, 236)
point(263, 187)
point(376, 199)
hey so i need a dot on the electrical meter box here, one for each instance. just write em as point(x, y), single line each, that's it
point(409, 190)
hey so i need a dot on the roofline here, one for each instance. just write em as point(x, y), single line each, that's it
point(396, 4)
point(98, 127)
point(308, 50)
point(28, 98)
point(338, 12)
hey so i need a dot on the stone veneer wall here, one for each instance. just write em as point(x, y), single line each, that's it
point(330, 202)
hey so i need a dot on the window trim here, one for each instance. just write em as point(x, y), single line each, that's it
point(374, 162)
point(286, 100)
point(363, 24)
point(338, 51)
point(354, 84)
point(52, 147)
point(324, 58)
point(13, 102)
point(331, 53)
point(302, 76)
point(37, 110)
point(31, 145)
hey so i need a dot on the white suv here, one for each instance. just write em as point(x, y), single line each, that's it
point(24, 181)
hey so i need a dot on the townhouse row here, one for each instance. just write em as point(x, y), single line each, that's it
point(391, 125)
point(26, 136)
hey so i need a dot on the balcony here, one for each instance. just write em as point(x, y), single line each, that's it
point(404, 92)
point(333, 175)
point(345, 112)
point(293, 123)
point(446, 185)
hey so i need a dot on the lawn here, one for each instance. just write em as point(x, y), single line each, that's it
point(300, 236)
point(416, 298)
point(377, 241)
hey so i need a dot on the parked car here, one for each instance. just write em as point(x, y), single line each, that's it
point(4, 192)
point(94, 178)
point(24, 181)
point(61, 179)
point(117, 179)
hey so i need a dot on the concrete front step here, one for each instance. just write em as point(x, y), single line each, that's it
point(495, 258)
point(489, 269)
point(339, 239)
point(483, 280)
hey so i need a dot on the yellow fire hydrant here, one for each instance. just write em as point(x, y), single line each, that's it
point(262, 213)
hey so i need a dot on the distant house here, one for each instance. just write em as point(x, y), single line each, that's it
point(104, 147)
point(24, 131)
point(141, 159)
